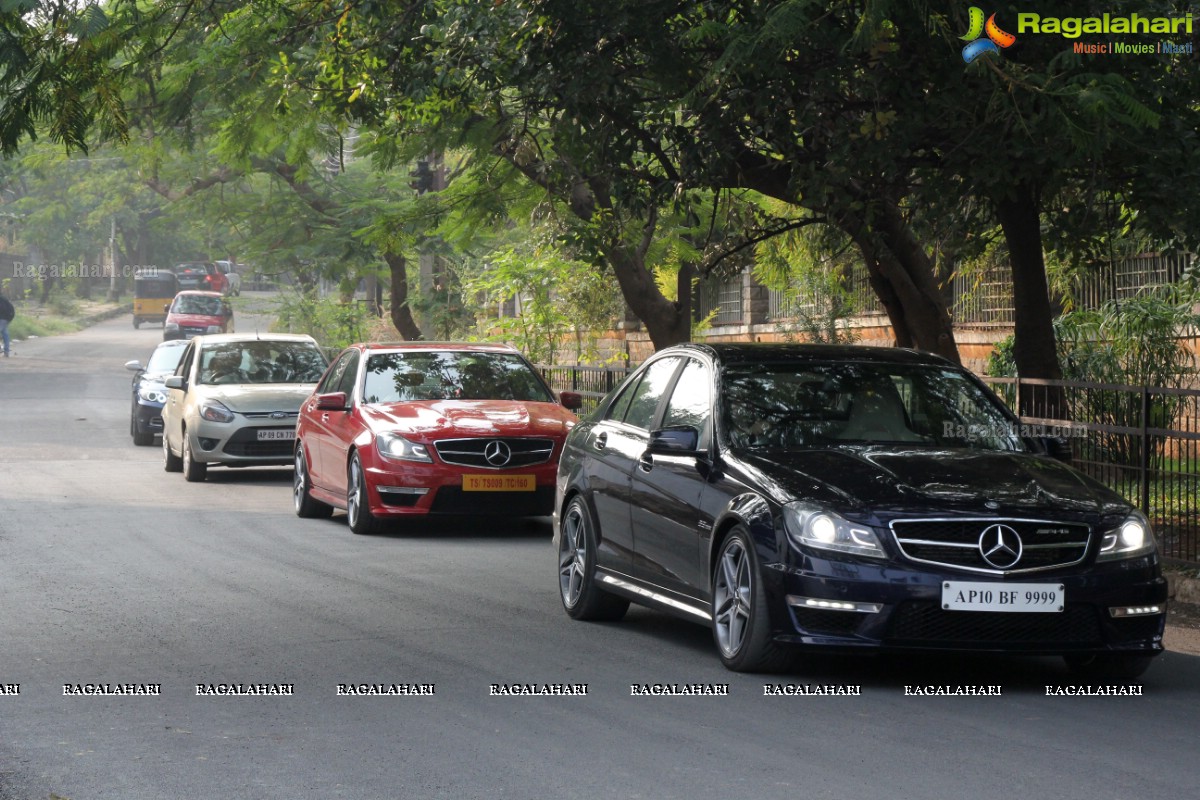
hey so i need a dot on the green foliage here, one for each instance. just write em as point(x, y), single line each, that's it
point(58, 78)
point(631, 115)
point(559, 300)
point(332, 322)
point(25, 326)
point(810, 266)
point(1134, 342)
point(63, 304)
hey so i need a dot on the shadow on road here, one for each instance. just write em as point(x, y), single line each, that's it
point(1017, 675)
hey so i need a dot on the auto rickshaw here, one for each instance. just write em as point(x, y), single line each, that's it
point(153, 291)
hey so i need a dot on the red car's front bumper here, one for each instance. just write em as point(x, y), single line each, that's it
point(414, 488)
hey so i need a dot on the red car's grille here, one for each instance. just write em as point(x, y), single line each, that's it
point(495, 453)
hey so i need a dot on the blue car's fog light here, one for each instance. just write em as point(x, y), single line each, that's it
point(833, 605)
point(1135, 611)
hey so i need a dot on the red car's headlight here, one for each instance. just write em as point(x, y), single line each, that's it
point(395, 446)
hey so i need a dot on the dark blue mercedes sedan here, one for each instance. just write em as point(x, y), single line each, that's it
point(804, 496)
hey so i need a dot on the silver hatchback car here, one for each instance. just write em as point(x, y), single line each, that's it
point(234, 399)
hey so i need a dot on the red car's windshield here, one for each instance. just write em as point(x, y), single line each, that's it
point(459, 375)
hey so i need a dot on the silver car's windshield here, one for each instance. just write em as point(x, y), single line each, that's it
point(261, 361)
point(806, 404)
point(457, 375)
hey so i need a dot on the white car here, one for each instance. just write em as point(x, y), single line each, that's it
point(233, 280)
point(234, 398)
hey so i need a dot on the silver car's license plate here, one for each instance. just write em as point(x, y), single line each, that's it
point(979, 596)
point(276, 434)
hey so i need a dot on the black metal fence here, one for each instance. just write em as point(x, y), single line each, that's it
point(592, 383)
point(1143, 442)
point(982, 294)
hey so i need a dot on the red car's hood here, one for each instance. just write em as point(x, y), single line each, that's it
point(442, 419)
point(196, 320)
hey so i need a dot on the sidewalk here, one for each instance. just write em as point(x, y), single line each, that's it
point(35, 321)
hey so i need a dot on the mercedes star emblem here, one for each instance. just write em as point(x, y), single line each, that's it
point(497, 453)
point(1000, 546)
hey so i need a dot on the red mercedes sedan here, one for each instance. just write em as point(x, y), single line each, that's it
point(397, 430)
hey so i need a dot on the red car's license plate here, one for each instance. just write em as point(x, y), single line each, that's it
point(499, 483)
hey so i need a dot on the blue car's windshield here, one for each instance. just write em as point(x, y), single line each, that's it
point(805, 404)
point(166, 356)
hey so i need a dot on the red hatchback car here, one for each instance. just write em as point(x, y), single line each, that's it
point(194, 313)
point(397, 430)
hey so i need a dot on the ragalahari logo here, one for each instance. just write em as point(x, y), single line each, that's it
point(996, 38)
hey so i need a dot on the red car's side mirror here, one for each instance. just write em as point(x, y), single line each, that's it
point(334, 401)
point(571, 400)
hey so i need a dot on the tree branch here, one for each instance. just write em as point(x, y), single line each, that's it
point(762, 236)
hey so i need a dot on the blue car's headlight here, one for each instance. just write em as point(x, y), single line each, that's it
point(809, 525)
point(152, 393)
point(1132, 538)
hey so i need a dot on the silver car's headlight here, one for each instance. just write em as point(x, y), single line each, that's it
point(1132, 538)
point(214, 411)
point(809, 525)
point(395, 446)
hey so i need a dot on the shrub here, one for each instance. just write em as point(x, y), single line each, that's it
point(1134, 342)
point(331, 321)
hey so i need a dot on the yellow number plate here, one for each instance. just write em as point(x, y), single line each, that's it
point(499, 483)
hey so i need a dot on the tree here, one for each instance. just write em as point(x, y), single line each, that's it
point(632, 114)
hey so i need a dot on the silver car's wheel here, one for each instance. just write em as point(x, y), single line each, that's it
point(358, 511)
point(741, 622)
point(581, 597)
point(305, 505)
point(193, 471)
point(171, 462)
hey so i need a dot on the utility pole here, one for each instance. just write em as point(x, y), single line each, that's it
point(113, 293)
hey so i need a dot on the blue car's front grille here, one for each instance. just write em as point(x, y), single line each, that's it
point(916, 622)
point(956, 543)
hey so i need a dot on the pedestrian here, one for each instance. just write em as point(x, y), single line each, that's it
point(7, 312)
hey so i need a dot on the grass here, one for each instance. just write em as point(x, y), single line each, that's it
point(63, 313)
point(25, 326)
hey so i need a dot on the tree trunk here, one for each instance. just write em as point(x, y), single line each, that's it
point(667, 322)
point(901, 336)
point(900, 271)
point(901, 274)
point(1034, 347)
point(402, 316)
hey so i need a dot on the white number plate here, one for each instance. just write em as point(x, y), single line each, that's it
point(974, 596)
point(276, 434)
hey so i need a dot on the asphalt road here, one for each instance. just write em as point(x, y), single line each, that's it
point(112, 571)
